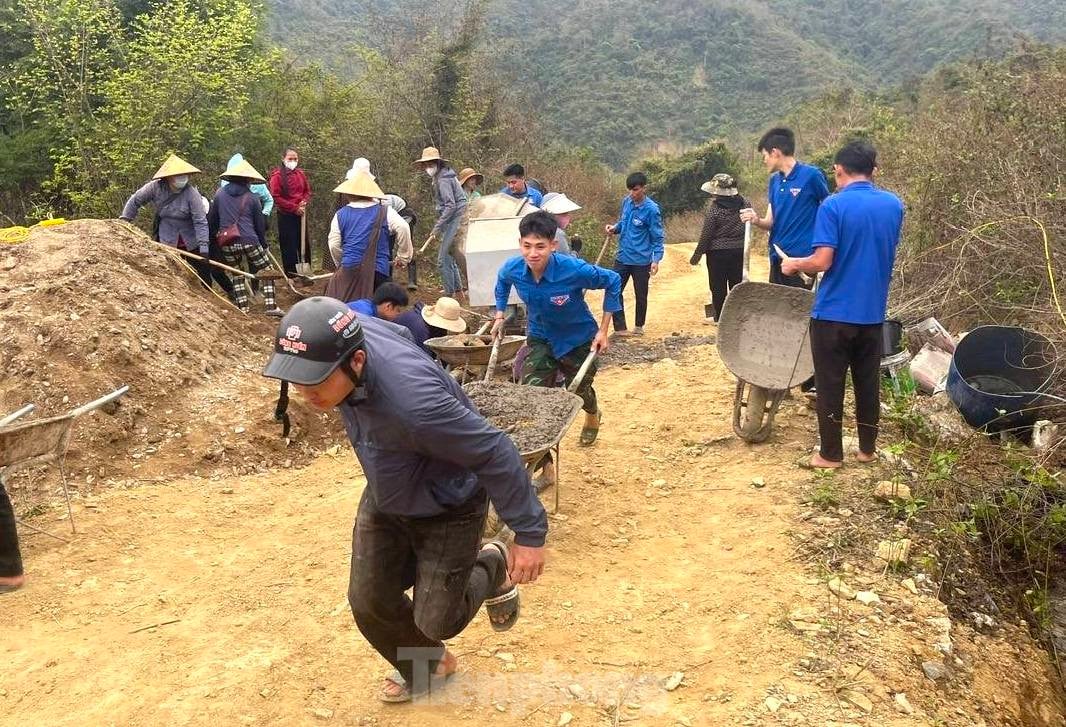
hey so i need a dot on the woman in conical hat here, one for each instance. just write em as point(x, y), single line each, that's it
point(359, 239)
point(180, 220)
point(238, 226)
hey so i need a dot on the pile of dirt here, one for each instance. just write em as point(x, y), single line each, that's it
point(533, 416)
point(91, 305)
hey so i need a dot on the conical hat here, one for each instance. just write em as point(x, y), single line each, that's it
point(360, 185)
point(243, 170)
point(173, 166)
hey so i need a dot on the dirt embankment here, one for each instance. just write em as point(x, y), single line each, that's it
point(91, 305)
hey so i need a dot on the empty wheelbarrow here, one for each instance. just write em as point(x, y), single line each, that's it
point(763, 341)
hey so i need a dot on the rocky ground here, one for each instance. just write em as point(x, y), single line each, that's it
point(692, 580)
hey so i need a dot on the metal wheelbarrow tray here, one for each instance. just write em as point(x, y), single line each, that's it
point(763, 341)
point(451, 349)
point(532, 454)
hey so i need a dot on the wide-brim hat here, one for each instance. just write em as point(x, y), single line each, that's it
point(446, 314)
point(430, 154)
point(242, 170)
point(558, 203)
point(362, 164)
point(721, 185)
point(174, 166)
point(360, 185)
point(468, 173)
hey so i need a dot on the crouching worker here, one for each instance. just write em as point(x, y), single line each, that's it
point(432, 464)
point(562, 330)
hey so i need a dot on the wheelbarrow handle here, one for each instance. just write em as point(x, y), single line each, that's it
point(747, 253)
point(494, 355)
point(581, 372)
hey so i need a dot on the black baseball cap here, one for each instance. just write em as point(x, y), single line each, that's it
point(315, 337)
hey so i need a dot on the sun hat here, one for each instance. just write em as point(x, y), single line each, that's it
point(467, 173)
point(430, 154)
point(360, 185)
point(315, 337)
point(445, 314)
point(362, 164)
point(242, 170)
point(174, 166)
point(558, 203)
point(721, 185)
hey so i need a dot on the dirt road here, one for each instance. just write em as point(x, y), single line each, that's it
point(664, 559)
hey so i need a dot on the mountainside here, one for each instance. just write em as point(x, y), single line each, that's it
point(621, 75)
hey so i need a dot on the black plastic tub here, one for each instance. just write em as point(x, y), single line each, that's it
point(998, 377)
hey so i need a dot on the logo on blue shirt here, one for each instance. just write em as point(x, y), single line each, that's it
point(560, 299)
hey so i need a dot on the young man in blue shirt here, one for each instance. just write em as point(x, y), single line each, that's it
point(517, 187)
point(794, 193)
point(640, 248)
point(562, 330)
point(390, 303)
point(855, 239)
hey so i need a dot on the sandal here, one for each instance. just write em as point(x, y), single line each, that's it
point(503, 608)
point(588, 434)
point(436, 681)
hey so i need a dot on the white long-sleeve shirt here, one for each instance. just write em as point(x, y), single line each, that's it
point(397, 225)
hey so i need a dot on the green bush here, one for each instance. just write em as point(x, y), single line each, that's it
point(674, 181)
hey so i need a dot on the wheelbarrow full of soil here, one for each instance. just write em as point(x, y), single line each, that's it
point(472, 351)
point(763, 341)
point(535, 418)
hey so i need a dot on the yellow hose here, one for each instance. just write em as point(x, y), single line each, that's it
point(17, 234)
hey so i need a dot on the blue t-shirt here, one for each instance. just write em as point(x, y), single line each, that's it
point(640, 233)
point(794, 199)
point(532, 194)
point(356, 224)
point(556, 304)
point(861, 223)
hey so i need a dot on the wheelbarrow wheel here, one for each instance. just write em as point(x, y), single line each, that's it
point(751, 420)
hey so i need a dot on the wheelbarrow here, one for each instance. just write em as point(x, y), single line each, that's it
point(473, 351)
point(531, 457)
point(763, 341)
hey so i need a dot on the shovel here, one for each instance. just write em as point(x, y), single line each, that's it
point(303, 267)
point(603, 249)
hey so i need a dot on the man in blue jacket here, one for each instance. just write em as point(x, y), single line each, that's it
point(794, 192)
point(432, 464)
point(855, 239)
point(516, 185)
point(562, 330)
point(640, 248)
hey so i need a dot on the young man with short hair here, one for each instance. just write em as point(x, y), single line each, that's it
point(562, 330)
point(432, 464)
point(389, 303)
point(855, 239)
point(794, 193)
point(641, 242)
point(515, 176)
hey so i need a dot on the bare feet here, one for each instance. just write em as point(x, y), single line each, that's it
point(821, 463)
point(449, 664)
point(866, 458)
point(11, 583)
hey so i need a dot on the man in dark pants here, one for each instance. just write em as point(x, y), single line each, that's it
point(432, 464)
point(855, 239)
point(11, 577)
point(794, 193)
point(640, 248)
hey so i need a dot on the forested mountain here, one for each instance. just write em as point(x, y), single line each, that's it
point(621, 75)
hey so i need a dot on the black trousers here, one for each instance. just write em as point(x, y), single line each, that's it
point(836, 348)
point(779, 278)
point(640, 274)
point(289, 241)
point(10, 556)
point(440, 556)
point(208, 272)
point(724, 269)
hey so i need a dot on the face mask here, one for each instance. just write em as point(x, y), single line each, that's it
point(431, 171)
point(180, 182)
point(290, 164)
